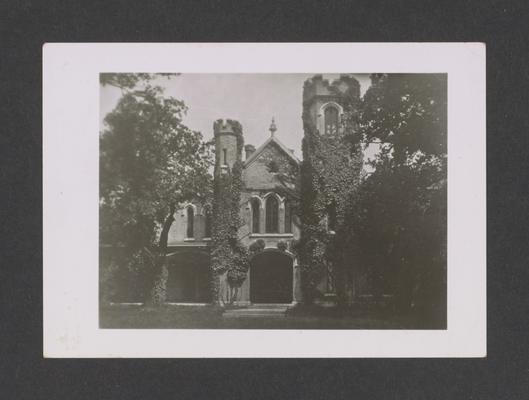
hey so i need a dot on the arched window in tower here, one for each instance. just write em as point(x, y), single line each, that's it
point(331, 119)
point(190, 233)
point(256, 215)
point(272, 215)
point(288, 217)
point(207, 218)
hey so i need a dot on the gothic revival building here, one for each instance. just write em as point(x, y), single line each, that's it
point(270, 185)
point(269, 174)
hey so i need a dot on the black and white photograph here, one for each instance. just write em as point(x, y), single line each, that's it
point(273, 201)
point(229, 193)
point(264, 200)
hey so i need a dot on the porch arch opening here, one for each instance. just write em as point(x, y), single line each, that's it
point(271, 277)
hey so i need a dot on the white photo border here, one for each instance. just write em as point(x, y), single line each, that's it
point(71, 183)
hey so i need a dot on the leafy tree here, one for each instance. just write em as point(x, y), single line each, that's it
point(149, 163)
point(399, 214)
point(126, 81)
point(406, 112)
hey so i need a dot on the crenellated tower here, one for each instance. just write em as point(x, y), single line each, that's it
point(332, 163)
point(229, 262)
point(326, 104)
point(228, 143)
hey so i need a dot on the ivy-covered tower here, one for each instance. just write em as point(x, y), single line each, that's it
point(331, 168)
point(229, 258)
point(228, 143)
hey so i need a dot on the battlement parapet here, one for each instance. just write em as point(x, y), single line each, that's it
point(228, 126)
point(317, 86)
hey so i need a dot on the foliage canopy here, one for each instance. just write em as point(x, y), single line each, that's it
point(148, 160)
point(149, 163)
point(399, 218)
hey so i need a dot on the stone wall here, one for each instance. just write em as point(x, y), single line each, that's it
point(257, 175)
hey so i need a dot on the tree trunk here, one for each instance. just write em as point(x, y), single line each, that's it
point(160, 274)
point(340, 284)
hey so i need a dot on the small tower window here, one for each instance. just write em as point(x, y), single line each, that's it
point(190, 222)
point(255, 215)
point(331, 217)
point(207, 217)
point(331, 120)
point(225, 160)
point(272, 215)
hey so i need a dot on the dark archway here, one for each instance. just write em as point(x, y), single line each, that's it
point(189, 278)
point(271, 278)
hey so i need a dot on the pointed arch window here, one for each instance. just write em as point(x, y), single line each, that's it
point(272, 215)
point(256, 215)
point(331, 118)
point(190, 232)
point(208, 218)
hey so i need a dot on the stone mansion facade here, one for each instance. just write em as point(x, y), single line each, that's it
point(266, 214)
point(265, 210)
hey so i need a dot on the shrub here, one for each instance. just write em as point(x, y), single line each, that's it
point(257, 246)
point(282, 245)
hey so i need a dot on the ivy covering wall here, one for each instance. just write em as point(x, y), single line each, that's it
point(330, 175)
point(228, 256)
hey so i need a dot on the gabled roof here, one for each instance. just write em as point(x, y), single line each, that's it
point(270, 140)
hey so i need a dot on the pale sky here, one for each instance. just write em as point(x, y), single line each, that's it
point(252, 99)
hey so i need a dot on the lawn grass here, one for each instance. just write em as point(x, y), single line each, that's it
point(210, 317)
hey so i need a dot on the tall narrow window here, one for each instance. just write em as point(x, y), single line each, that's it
point(255, 215)
point(331, 120)
point(207, 216)
point(288, 218)
point(331, 217)
point(272, 214)
point(190, 222)
point(225, 161)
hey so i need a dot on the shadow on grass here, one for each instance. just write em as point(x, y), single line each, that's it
point(210, 317)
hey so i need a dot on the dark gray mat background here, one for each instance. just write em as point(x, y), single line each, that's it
point(26, 25)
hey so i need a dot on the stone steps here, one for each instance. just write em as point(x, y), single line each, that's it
point(259, 310)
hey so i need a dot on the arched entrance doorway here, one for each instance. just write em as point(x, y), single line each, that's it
point(189, 278)
point(271, 275)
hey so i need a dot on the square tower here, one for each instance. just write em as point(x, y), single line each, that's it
point(324, 102)
point(228, 143)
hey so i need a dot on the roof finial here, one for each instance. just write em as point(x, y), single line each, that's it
point(273, 127)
